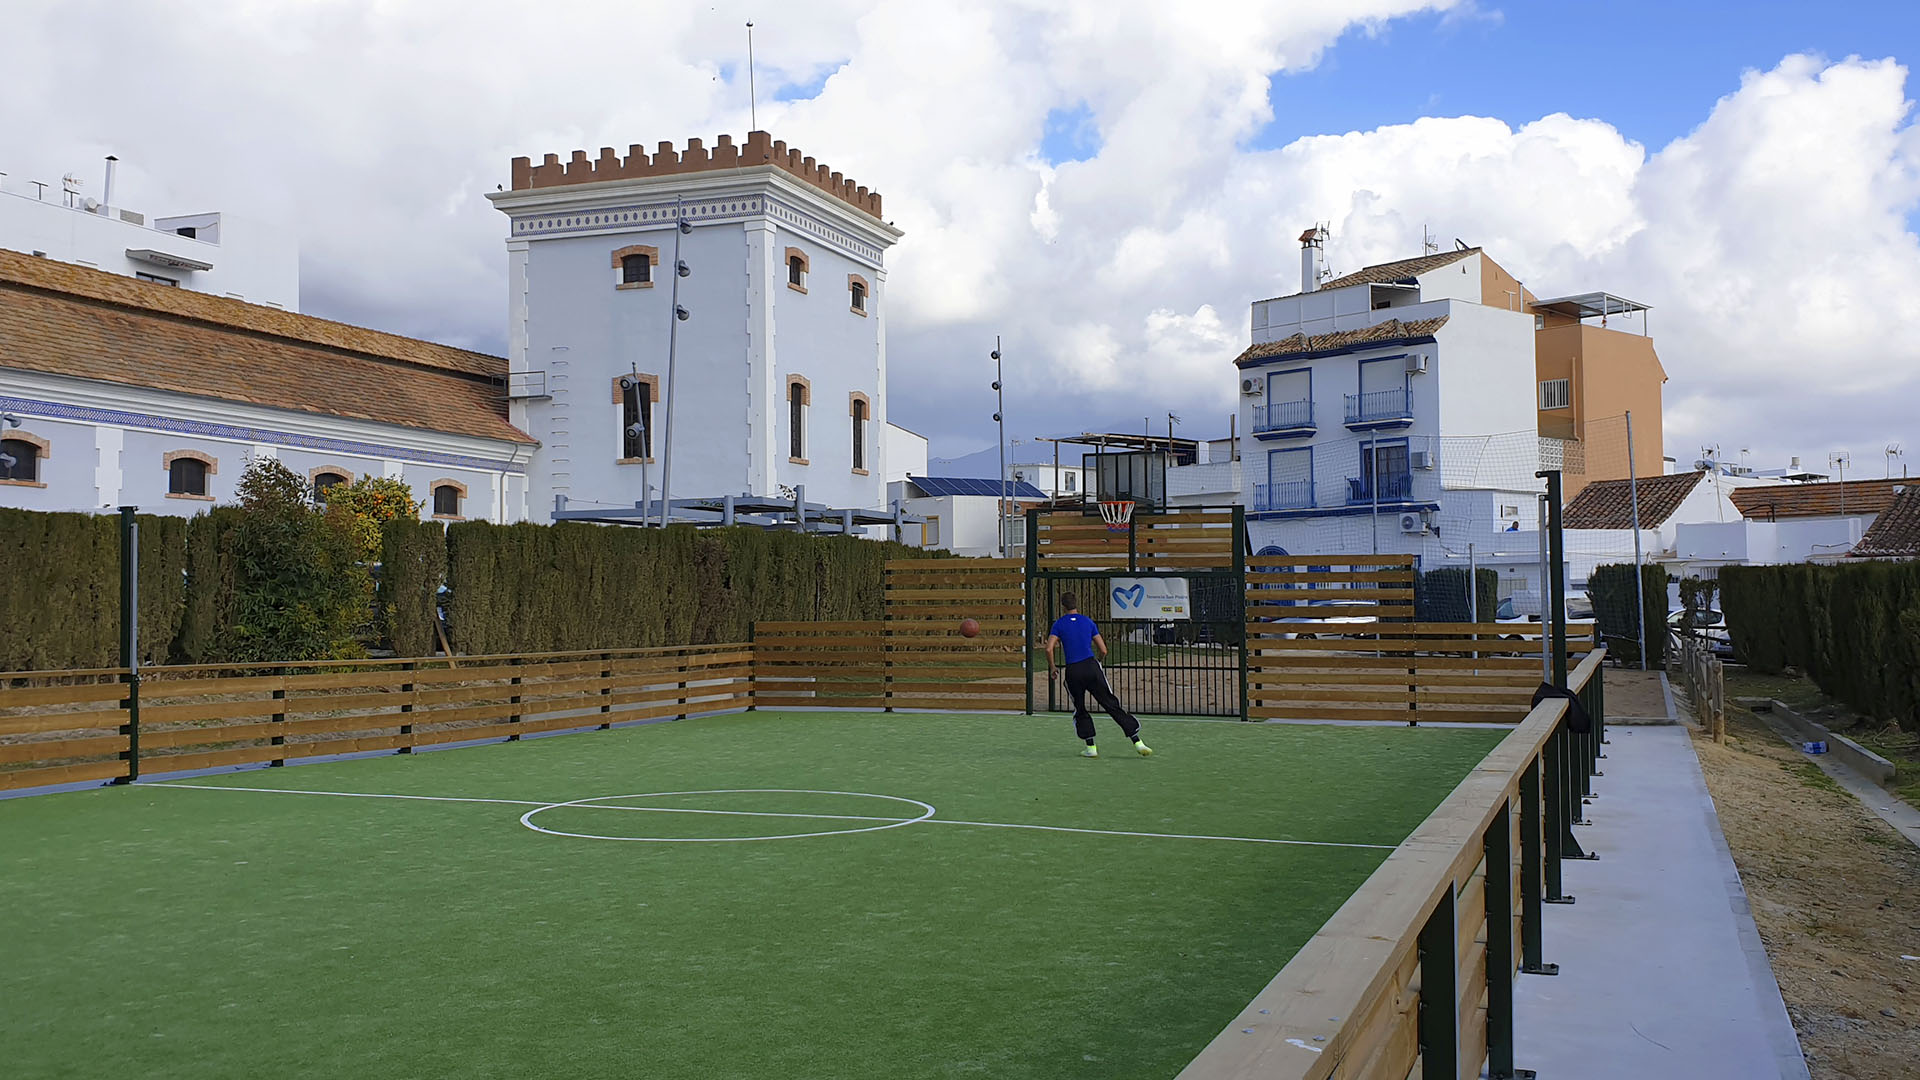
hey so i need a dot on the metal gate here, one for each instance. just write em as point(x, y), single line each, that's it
point(1193, 666)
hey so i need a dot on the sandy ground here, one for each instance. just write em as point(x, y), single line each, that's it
point(1836, 894)
point(1633, 694)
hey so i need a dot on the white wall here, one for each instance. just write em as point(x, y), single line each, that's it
point(1484, 372)
point(748, 332)
point(252, 260)
point(905, 455)
point(969, 524)
point(108, 447)
point(1760, 543)
point(1066, 481)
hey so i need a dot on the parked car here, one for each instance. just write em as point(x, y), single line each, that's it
point(1709, 626)
point(1329, 621)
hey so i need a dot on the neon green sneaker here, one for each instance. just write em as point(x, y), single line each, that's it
point(1090, 751)
point(1145, 750)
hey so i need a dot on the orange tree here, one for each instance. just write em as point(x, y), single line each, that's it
point(365, 506)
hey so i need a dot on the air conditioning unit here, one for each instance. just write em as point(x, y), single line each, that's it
point(1421, 459)
point(1417, 363)
point(1252, 387)
point(1413, 523)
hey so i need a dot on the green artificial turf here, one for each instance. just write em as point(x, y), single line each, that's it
point(207, 934)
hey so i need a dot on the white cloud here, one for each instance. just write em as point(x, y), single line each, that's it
point(1772, 239)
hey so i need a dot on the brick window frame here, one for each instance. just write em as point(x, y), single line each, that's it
point(213, 469)
point(620, 418)
point(42, 451)
point(619, 270)
point(433, 493)
point(859, 295)
point(806, 268)
point(860, 412)
point(804, 387)
point(314, 474)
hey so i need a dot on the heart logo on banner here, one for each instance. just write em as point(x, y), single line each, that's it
point(1132, 597)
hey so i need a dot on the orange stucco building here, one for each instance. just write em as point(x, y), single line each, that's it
point(1590, 376)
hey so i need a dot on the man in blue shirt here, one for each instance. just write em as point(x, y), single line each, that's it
point(1078, 637)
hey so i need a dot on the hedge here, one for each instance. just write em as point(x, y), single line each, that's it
point(1854, 629)
point(537, 588)
point(61, 606)
point(1441, 596)
point(1611, 589)
point(413, 565)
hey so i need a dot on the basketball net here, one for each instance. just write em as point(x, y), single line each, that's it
point(1116, 514)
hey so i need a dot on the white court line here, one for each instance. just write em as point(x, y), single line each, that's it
point(764, 813)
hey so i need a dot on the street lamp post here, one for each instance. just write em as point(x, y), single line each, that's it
point(999, 407)
point(680, 314)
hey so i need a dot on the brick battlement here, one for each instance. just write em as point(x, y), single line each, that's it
point(760, 149)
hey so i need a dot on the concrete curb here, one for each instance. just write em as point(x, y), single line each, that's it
point(1852, 754)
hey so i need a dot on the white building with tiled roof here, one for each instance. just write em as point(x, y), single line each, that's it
point(128, 392)
point(1391, 410)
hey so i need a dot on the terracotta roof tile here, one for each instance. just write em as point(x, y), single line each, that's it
point(1815, 500)
point(80, 335)
point(1896, 532)
point(1399, 270)
point(1608, 504)
point(1379, 333)
point(132, 293)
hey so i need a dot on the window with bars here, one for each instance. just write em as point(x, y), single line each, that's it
point(635, 270)
point(797, 399)
point(1556, 393)
point(859, 434)
point(636, 418)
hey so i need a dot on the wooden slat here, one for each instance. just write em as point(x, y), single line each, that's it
point(209, 710)
point(12, 779)
point(1350, 561)
point(40, 696)
point(62, 721)
point(56, 749)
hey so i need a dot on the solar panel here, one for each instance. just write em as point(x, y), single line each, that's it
point(941, 486)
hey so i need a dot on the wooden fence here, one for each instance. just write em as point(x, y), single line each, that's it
point(59, 727)
point(1167, 540)
point(1705, 678)
point(1333, 637)
point(841, 665)
point(929, 665)
point(1413, 976)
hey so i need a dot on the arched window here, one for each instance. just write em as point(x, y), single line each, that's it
point(861, 409)
point(187, 473)
point(798, 264)
point(326, 477)
point(857, 294)
point(799, 396)
point(633, 266)
point(448, 495)
point(26, 452)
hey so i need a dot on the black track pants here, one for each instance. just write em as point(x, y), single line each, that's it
point(1085, 677)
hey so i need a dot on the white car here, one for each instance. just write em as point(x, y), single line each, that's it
point(1330, 620)
point(1710, 626)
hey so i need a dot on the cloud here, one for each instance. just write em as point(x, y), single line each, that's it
point(1771, 240)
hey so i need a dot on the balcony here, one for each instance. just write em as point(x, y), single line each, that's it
point(1379, 409)
point(1396, 488)
point(1289, 495)
point(1283, 420)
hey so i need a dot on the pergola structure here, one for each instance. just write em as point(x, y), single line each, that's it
point(795, 514)
point(1593, 305)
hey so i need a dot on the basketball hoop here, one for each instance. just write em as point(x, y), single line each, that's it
point(1116, 514)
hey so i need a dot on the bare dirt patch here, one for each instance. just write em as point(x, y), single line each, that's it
point(1836, 894)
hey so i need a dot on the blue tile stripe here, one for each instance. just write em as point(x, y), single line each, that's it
point(87, 415)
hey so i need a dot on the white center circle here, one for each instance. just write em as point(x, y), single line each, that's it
point(600, 801)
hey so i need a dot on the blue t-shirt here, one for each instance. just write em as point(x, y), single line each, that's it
point(1076, 633)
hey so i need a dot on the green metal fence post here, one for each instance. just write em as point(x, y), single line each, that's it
point(1499, 960)
point(1033, 565)
point(130, 636)
point(1557, 831)
point(1240, 579)
point(1530, 898)
point(1439, 1019)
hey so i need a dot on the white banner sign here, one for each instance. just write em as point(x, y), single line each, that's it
point(1162, 598)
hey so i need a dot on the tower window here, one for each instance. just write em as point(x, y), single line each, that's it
point(799, 396)
point(633, 266)
point(798, 266)
point(635, 395)
point(635, 270)
point(857, 294)
point(861, 410)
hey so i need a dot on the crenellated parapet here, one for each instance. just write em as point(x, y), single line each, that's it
point(759, 149)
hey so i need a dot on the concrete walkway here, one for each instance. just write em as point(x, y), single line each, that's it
point(1662, 972)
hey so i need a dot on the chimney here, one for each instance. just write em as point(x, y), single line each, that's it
point(1795, 465)
point(1313, 257)
point(106, 192)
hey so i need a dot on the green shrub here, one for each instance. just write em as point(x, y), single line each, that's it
point(1441, 596)
point(413, 565)
point(1853, 628)
point(1611, 589)
point(300, 590)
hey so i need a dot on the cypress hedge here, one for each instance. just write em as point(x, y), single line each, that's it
point(539, 588)
point(1611, 589)
point(1853, 628)
point(1441, 595)
point(210, 576)
point(413, 564)
point(61, 607)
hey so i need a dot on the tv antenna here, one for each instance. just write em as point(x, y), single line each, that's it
point(753, 94)
point(1894, 451)
point(1429, 243)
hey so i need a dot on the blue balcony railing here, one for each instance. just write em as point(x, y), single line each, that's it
point(1379, 406)
point(1287, 495)
point(1283, 416)
point(1393, 488)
